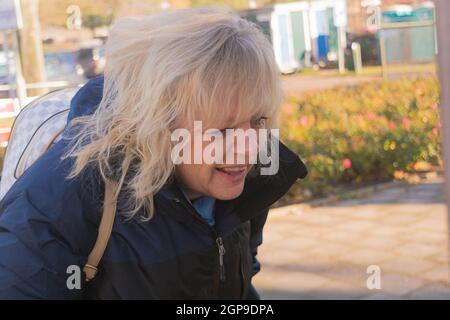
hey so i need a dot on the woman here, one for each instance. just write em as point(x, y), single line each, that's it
point(181, 230)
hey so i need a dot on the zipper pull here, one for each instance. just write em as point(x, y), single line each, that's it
point(221, 254)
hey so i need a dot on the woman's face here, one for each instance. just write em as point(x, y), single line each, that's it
point(221, 181)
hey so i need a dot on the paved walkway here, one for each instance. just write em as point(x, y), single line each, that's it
point(295, 84)
point(324, 252)
point(299, 83)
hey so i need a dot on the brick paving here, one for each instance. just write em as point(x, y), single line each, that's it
point(324, 252)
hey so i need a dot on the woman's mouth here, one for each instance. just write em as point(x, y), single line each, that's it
point(232, 174)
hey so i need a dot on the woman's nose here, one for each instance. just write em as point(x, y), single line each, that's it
point(245, 144)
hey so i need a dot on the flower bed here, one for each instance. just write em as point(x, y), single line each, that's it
point(364, 133)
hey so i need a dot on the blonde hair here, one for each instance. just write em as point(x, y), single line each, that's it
point(203, 63)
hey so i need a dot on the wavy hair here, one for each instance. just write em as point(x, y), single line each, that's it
point(204, 63)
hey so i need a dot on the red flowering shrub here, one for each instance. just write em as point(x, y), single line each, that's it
point(363, 133)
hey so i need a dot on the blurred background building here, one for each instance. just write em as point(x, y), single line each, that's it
point(305, 34)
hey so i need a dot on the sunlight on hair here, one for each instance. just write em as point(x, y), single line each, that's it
point(164, 70)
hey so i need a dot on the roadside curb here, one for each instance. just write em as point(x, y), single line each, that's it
point(362, 192)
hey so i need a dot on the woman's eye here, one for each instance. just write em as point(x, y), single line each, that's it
point(259, 122)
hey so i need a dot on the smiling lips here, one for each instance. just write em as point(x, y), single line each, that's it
point(233, 173)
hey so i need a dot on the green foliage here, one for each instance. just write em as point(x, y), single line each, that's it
point(363, 134)
point(92, 21)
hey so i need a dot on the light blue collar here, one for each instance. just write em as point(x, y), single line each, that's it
point(204, 206)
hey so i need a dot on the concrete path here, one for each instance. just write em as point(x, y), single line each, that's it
point(324, 252)
point(295, 84)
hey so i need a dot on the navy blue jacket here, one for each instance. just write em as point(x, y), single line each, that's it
point(48, 226)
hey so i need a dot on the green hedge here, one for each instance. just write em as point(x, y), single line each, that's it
point(363, 133)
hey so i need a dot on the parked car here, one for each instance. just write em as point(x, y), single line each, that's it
point(62, 65)
point(4, 78)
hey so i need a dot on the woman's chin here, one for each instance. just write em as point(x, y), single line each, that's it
point(229, 193)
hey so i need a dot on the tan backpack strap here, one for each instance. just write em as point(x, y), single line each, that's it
point(104, 231)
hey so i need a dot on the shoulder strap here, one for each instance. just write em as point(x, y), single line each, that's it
point(104, 231)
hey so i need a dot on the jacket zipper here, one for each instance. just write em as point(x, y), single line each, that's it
point(221, 254)
point(242, 271)
point(217, 238)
